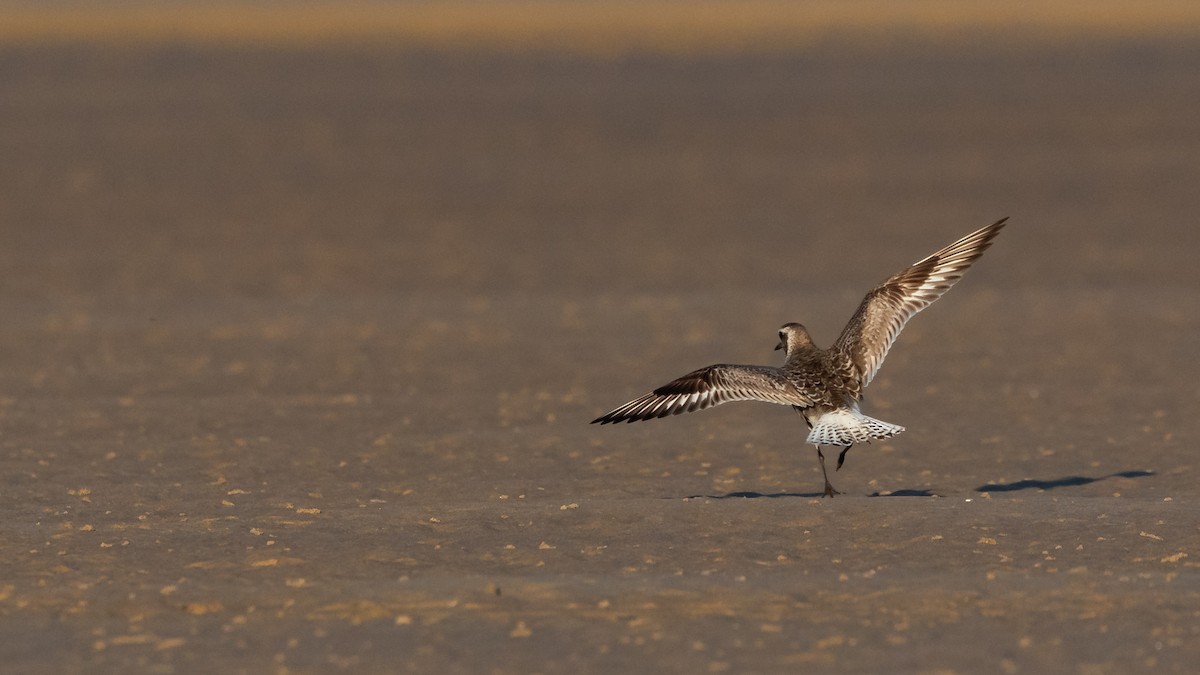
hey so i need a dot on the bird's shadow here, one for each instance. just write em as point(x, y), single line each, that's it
point(905, 493)
point(1027, 484)
point(809, 495)
point(1068, 481)
point(758, 495)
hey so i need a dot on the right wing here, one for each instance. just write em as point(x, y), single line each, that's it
point(883, 313)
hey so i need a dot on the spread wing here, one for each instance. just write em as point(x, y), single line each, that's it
point(711, 386)
point(886, 309)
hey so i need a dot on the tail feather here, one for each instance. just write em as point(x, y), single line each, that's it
point(846, 427)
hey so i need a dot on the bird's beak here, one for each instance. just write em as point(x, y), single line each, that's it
point(779, 346)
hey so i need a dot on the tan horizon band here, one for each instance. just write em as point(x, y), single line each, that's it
point(590, 27)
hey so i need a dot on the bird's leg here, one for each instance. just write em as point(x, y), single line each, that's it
point(842, 457)
point(829, 491)
point(800, 410)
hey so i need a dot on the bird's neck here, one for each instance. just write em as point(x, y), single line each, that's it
point(804, 353)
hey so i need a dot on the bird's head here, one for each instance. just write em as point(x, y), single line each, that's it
point(792, 337)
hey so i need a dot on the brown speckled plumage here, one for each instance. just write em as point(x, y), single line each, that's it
point(824, 385)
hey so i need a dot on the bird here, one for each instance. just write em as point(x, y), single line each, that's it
point(824, 385)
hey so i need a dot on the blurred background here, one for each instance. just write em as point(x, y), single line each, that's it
point(243, 148)
point(404, 200)
point(396, 255)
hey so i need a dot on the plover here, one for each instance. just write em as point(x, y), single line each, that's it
point(824, 385)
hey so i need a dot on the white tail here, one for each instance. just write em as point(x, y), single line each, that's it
point(845, 427)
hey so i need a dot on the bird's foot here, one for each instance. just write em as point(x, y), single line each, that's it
point(829, 491)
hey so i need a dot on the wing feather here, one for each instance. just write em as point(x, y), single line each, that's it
point(886, 309)
point(708, 387)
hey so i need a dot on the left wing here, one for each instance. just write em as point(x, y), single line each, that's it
point(711, 386)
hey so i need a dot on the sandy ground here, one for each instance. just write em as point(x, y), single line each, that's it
point(299, 349)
